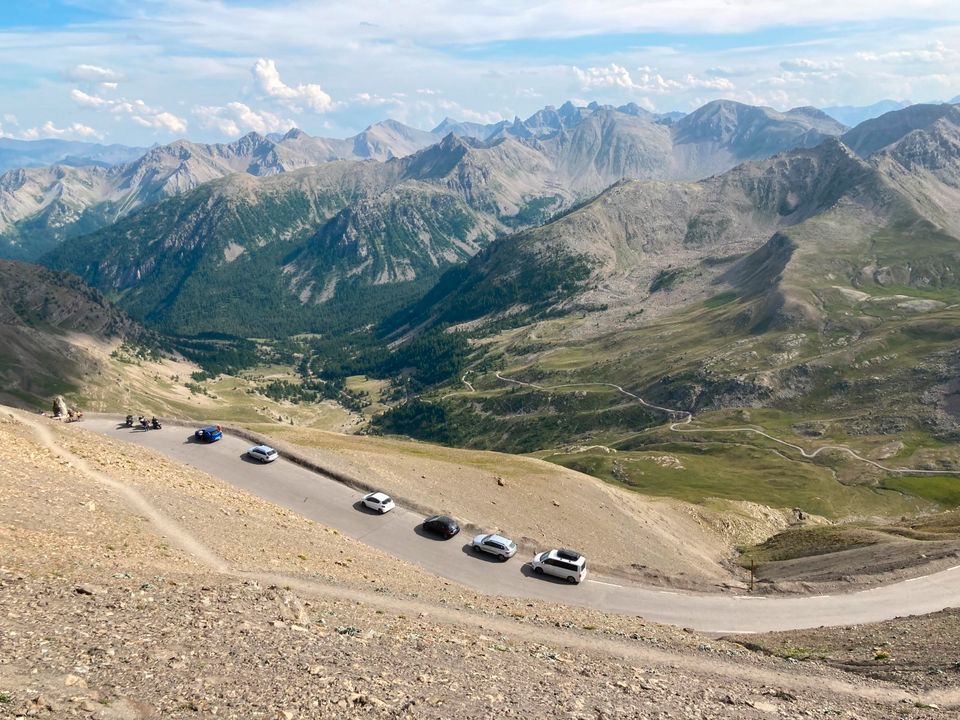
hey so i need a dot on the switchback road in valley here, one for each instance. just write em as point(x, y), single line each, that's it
point(327, 501)
point(687, 418)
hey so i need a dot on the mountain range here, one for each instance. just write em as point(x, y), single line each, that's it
point(816, 274)
point(40, 207)
point(39, 153)
point(309, 239)
point(823, 282)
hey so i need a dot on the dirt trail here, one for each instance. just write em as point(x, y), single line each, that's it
point(688, 418)
point(586, 642)
point(167, 527)
point(464, 380)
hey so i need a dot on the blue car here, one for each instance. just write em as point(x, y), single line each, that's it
point(208, 434)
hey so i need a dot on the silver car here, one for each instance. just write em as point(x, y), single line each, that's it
point(263, 453)
point(496, 545)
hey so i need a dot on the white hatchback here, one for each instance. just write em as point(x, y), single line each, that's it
point(379, 502)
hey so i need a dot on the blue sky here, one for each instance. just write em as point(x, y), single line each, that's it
point(144, 71)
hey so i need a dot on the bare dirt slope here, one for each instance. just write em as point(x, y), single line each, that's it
point(541, 504)
point(133, 588)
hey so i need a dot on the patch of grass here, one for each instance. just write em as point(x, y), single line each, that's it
point(810, 541)
point(941, 489)
point(666, 279)
point(5, 698)
point(796, 653)
point(944, 294)
point(720, 300)
point(739, 472)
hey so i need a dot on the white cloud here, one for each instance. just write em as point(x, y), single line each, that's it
point(138, 111)
point(527, 92)
point(801, 65)
point(235, 117)
point(605, 77)
point(49, 130)
point(462, 113)
point(92, 73)
point(295, 24)
point(192, 53)
point(162, 121)
point(374, 100)
point(307, 95)
point(935, 53)
point(88, 100)
point(647, 80)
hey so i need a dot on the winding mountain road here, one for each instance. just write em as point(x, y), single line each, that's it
point(333, 504)
point(688, 418)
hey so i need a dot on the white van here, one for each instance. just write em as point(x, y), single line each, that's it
point(568, 565)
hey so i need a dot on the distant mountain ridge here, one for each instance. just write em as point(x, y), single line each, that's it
point(821, 283)
point(306, 242)
point(595, 145)
point(853, 115)
point(39, 153)
point(40, 207)
point(900, 174)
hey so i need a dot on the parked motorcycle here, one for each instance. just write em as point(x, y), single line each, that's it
point(130, 421)
point(155, 424)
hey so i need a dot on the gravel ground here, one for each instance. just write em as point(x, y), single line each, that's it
point(132, 589)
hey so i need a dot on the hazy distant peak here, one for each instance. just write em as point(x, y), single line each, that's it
point(875, 134)
point(294, 133)
point(445, 125)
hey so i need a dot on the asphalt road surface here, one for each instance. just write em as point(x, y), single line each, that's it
point(335, 505)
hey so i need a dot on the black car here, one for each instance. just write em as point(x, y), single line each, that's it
point(442, 525)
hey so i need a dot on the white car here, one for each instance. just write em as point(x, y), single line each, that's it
point(568, 565)
point(378, 501)
point(496, 545)
point(263, 453)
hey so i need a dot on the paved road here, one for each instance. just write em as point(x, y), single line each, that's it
point(335, 505)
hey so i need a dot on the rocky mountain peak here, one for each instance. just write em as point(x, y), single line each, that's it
point(294, 133)
point(935, 148)
point(873, 135)
point(445, 126)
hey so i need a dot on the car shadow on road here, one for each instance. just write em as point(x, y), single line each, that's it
point(361, 508)
point(419, 530)
point(247, 459)
point(478, 555)
point(527, 571)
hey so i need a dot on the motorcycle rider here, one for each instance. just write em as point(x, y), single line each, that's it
point(154, 423)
